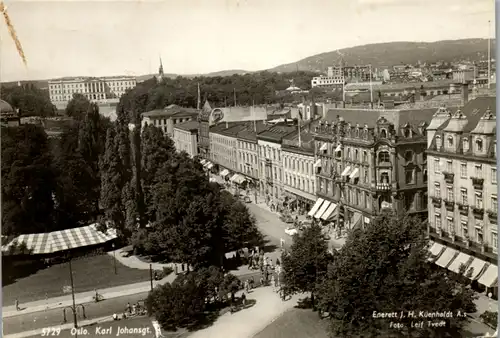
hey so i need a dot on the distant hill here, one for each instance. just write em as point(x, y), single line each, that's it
point(213, 74)
point(394, 53)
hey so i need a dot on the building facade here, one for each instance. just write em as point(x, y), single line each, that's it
point(94, 89)
point(271, 163)
point(224, 145)
point(185, 137)
point(166, 119)
point(369, 160)
point(299, 181)
point(204, 131)
point(463, 202)
point(248, 154)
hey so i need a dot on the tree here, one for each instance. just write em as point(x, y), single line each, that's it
point(306, 262)
point(156, 149)
point(78, 106)
point(28, 181)
point(384, 268)
point(29, 100)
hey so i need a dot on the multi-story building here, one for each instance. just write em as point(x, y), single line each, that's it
point(339, 75)
point(168, 117)
point(248, 154)
point(224, 146)
point(271, 164)
point(94, 89)
point(367, 160)
point(463, 202)
point(204, 131)
point(185, 137)
point(299, 180)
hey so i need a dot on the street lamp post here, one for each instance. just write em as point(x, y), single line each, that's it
point(151, 275)
point(75, 321)
point(114, 256)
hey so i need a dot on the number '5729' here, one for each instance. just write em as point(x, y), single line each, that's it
point(51, 331)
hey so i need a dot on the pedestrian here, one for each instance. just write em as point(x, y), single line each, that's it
point(244, 299)
point(17, 305)
point(261, 280)
point(273, 283)
point(129, 308)
point(276, 283)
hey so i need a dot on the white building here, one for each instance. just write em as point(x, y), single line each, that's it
point(94, 89)
point(186, 137)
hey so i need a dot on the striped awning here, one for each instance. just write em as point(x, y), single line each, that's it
point(435, 250)
point(203, 161)
point(490, 276)
point(316, 206)
point(210, 165)
point(322, 209)
point(64, 239)
point(446, 257)
point(224, 173)
point(476, 268)
point(346, 171)
point(462, 258)
point(328, 211)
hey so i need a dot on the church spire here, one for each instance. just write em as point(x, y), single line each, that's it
point(160, 75)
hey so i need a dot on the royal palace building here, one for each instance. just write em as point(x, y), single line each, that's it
point(462, 185)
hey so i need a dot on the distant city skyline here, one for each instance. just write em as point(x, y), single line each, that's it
point(106, 38)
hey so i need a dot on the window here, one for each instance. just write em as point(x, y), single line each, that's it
point(479, 200)
point(365, 180)
point(356, 155)
point(348, 154)
point(410, 176)
point(479, 170)
point(384, 177)
point(365, 157)
point(494, 241)
point(383, 156)
point(465, 228)
point(438, 221)
point(438, 142)
point(450, 141)
point(494, 203)
point(449, 166)
point(463, 170)
point(425, 175)
point(479, 234)
point(450, 224)
point(463, 196)
point(437, 170)
point(383, 133)
point(408, 156)
point(479, 145)
point(367, 201)
point(437, 190)
point(494, 175)
point(449, 194)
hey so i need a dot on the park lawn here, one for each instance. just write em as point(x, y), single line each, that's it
point(89, 273)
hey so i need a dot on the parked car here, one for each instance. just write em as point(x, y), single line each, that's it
point(291, 231)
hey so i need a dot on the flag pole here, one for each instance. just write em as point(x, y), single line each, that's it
point(489, 54)
point(371, 85)
point(253, 114)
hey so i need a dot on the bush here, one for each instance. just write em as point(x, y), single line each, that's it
point(490, 318)
point(167, 270)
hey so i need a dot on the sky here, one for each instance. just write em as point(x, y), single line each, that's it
point(104, 38)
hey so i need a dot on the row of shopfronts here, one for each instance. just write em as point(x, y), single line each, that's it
point(483, 274)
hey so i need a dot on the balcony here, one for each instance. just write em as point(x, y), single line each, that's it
point(436, 201)
point(477, 183)
point(478, 212)
point(383, 186)
point(492, 214)
point(448, 177)
point(450, 205)
point(463, 208)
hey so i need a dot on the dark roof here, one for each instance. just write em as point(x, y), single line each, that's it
point(276, 132)
point(185, 114)
point(170, 111)
point(229, 128)
point(188, 125)
point(249, 133)
point(399, 86)
point(474, 110)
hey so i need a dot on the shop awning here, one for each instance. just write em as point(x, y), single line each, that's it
point(435, 250)
point(446, 257)
point(328, 213)
point(203, 161)
point(476, 267)
point(323, 147)
point(224, 172)
point(317, 163)
point(210, 165)
point(346, 171)
point(354, 174)
point(462, 258)
point(237, 179)
point(490, 276)
point(339, 148)
point(316, 206)
point(322, 210)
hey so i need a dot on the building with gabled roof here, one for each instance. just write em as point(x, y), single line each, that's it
point(462, 186)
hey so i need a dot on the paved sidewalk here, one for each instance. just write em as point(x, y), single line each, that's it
point(484, 303)
point(248, 322)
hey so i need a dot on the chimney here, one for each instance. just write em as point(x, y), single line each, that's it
point(465, 93)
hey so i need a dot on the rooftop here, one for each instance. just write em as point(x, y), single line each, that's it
point(398, 86)
point(188, 126)
point(276, 133)
point(473, 111)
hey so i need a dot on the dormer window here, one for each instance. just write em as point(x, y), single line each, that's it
point(450, 141)
point(479, 145)
point(407, 132)
point(465, 144)
point(438, 142)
